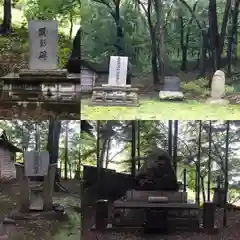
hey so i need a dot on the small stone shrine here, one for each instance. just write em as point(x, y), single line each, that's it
point(218, 89)
point(43, 82)
point(36, 164)
point(171, 89)
point(116, 92)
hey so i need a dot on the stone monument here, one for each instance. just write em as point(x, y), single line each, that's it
point(171, 89)
point(43, 42)
point(117, 92)
point(36, 163)
point(218, 89)
point(42, 82)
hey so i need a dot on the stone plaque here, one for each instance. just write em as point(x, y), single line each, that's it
point(118, 71)
point(172, 83)
point(36, 163)
point(43, 42)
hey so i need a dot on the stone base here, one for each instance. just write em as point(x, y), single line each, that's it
point(217, 101)
point(115, 96)
point(111, 228)
point(171, 95)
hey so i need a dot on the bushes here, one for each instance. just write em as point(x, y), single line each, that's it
point(198, 87)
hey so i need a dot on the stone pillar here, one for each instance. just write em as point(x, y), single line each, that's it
point(48, 187)
point(24, 202)
point(101, 217)
point(209, 215)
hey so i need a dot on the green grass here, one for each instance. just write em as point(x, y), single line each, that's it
point(153, 109)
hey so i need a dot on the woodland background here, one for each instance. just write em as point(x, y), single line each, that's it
point(115, 141)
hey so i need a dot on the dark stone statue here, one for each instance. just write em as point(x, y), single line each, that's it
point(86, 127)
point(73, 64)
point(157, 173)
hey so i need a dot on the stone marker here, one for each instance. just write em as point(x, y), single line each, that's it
point(218, 89)
point(171, 89)
point(36, 163)
point(43, 42)
point(24, 199)
point(118, 71)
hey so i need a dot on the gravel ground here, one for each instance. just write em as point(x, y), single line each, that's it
point(231, 232)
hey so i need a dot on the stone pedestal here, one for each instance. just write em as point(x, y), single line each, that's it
point(108, 95)
point(24, 201)
point(209, 215)
point(48, 187)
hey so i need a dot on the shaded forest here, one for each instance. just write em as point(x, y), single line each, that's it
point(163, 37)
point(60, 138)
point(196, 146)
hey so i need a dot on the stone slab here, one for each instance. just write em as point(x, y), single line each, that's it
point(174, 95)
point(217, 101)
point(118, 70)
point(111, 228)
point(43, 41)
point(144, 204)
point(143, 195)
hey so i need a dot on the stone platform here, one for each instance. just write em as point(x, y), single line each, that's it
point(115, 96)
point(135, 195)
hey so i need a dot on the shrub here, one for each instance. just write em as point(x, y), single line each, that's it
point(198, 87)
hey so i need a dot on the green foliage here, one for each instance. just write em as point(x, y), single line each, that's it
point(196, 88)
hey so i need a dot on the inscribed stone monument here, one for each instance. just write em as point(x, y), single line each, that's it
point(36, 163)
point(218, 89)
point(172, 88)
point(43, 41)
point(118, 71)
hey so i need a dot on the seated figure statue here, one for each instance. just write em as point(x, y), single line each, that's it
point(157, 173)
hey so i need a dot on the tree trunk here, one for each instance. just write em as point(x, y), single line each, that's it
point(133, 149)
point(71, 24)
point(7, 18)
point(53, 140)
point(160, 39)
point(214, 35)
point(232, 42)
point(120, 34)
point(170, 138)
point(66, 152)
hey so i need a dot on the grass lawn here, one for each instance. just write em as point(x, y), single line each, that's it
point(153, 109)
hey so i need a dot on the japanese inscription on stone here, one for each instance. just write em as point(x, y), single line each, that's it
point(43, 38)
point(118, 71)
point(36, 163)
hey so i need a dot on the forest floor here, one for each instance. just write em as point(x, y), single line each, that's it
point(231, 232)
point(43, 112)
point(47, 228)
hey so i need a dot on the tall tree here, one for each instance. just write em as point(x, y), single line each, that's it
point(6, 28)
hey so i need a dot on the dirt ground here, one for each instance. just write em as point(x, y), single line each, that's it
point(47, 111)
point(38, 227)
point(231, 232)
